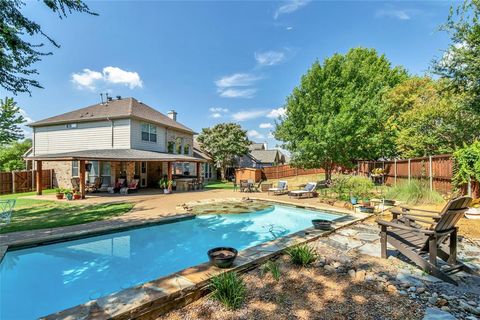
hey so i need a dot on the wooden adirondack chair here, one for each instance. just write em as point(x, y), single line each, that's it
point(422, 244)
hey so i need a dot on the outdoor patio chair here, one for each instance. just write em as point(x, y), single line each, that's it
point(281, 188)
point(119, 185)
point(131, 187)
point(6, 210)
point(75, 184)
point(243, 185)
point(307, 192)
point(423, 244)
point(95, 186)
point(258, 187)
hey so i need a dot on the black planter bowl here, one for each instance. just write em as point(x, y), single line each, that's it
point(366, 209)
point(222, 257)
point(389, 203)
point(322, 224)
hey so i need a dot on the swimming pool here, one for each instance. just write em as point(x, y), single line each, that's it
point(42, 280)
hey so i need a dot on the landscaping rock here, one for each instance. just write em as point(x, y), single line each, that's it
point(391, 288)
point(420, 290)
point(351, 273)
point(432, 300)
point(437, 314)
point(360, 275)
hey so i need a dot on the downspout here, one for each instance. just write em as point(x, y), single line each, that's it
point(111, 125)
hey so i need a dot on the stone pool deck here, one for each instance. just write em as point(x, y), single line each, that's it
point(154, 298)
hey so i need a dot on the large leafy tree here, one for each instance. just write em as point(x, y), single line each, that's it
point(336, 114)
point(11, 156)
point(10, 121)
point(223, 143)
point(461, 61)
point(426, 119)
point(17, 53)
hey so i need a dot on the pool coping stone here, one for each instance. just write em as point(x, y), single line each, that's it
point(154, 298)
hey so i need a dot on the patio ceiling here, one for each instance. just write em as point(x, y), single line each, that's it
point(115, 155)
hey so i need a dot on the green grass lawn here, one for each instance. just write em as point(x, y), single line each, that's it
point(219, 185)
point(31, 214)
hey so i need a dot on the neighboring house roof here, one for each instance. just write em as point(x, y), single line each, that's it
point(116, 154)
point(114, 109)
point(256, 146)
point(265, 156)
point(198, 152)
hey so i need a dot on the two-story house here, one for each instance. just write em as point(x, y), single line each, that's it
point(117, 138)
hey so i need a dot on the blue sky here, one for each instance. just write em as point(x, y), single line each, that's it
point(218, 61)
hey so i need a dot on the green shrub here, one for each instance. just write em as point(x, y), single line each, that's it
point(467, 164)
point(273, 268)
point(414, 192)
point(302, 255)
point(340, 185)
point(360, 187)
point(229, 289)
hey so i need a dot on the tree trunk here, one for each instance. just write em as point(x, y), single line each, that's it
point(223, 171)
point(328, 170)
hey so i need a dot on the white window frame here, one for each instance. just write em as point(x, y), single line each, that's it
point(75, 167)
point(151, 130)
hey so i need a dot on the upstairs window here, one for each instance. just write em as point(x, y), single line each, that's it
point(179, 145)
point(186, 149)
point(149, 132)
point(71, 125)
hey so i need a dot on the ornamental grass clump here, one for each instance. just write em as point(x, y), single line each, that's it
point(414, 192)
point(302, 255)
point(229, 289)
point(273, 268)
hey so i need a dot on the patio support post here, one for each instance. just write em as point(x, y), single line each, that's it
point(38, 178)
point(169, 170)
point(82, 177)
point(198, 170)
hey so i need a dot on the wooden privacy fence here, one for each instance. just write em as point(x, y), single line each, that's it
point(285, 171)
point(23, 181)
point(437, 170)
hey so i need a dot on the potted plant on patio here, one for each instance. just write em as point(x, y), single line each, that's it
point(68, 194)
point(59, 193)
point(163, 183)
point(169, 186)
point(77, 196)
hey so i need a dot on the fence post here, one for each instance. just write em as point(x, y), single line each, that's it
point(277, 172)
point(14, 187)
point(395, 170)
point(430, 173)
point(469, 188)
point(409, 169)
point(51, 176)
point(33, 178)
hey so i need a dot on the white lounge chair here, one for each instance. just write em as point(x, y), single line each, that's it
point(281, 188)
point(307, 192)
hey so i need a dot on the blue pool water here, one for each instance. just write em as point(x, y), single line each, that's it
point(38, 281)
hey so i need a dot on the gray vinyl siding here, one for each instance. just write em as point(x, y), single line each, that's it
point(138, 143)
point(87, 136)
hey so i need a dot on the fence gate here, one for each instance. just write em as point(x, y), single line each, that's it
point(23, 181)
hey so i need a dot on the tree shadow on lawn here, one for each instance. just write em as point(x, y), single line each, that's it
point(310, 293)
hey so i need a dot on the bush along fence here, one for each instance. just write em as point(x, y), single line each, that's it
point(24, 181)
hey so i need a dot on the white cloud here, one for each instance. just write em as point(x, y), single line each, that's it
point(289, 28)
point(270, 135)
point(216, 115)
point(25, 116)
point(117, 75)
point(266, 125)
point(237, 80)
point(289, 7)
point(269, 58)
point(248, 115)
point(254, 134)
point(401, 14)
point(27, 131)
point(88, 79)
point(224, 110)
point(237, 93)
point(275, 113)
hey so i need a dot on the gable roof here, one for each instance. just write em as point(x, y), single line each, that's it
point(264, 156)
point(256, 146)
point(198, 152)
point(115, 109)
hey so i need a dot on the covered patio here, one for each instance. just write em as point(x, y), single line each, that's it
point(111, 164)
